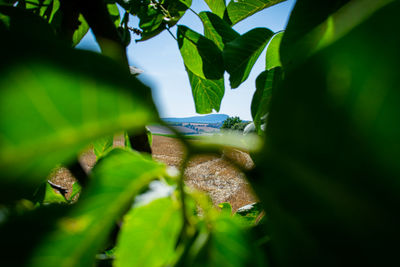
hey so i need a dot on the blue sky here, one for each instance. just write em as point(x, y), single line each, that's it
point(164, 71)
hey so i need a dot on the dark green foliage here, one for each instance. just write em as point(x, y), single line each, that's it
point(230, 122)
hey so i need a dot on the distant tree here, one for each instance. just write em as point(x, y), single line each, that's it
point(230, 122)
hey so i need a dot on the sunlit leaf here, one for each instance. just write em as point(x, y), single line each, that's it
point(241, 9)
point(217, 29)
point(207, 93)
point(200, 55)
point(114, 14)
point(149, 234)
point(102, 146)
point(272, 58)
point(217, 7)
point(116, 179)
point(241, 54)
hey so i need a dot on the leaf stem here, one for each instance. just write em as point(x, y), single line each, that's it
point(173, 36)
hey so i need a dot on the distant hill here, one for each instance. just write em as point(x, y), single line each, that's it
point(212, 118)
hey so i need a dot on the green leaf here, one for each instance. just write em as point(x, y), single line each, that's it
point(241, 54)
point(81, 31)
point(330, 173)
point(226, 208)
point(251, 143)
point(266, 83)
point(47, 195)
point(114, 14)
point(54, 101)
point(200, 55)
point(117, 178)
point(272, 58)
point(249, 213)
point(155, 17)
point(149, 234)
point(217, 7)
point(102, 146)
point(207, 94)
point(76, 189)
point(306, 35)
point(225, 244)
point(240, 9)
point(217, 30)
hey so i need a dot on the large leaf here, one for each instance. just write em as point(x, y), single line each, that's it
point(266, 83)
point(207, 93)
point(241, 54)
point(240, 9)
point(305, 37)
point(53, 102)
point(217, 7)
point(149, 234)
point(217, 29)
point(200, 55)
point(330, 173)
point(272, 57)
point(116, 179)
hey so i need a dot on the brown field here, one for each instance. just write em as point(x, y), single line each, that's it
point(209, 173)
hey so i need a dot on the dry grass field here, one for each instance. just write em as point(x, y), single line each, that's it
point(209, 173)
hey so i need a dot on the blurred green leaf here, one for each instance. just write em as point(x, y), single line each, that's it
point(217, 30)
point(333, 20)
point(241, 54)
point(217, 7)
point(240, 9)
point(117, 178)
point(251, 143)
point(226, 244)
point(149, 234)
point(272, 58)
point(102, 146)
point(22, 232)
point(200, 55)
point(330, 173)
point(250, 213)
point(81, 31)
point(226, 208)
point(266, 83)
point(207, 93)
point(54, 101)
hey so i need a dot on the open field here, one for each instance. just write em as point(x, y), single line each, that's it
point(209, 173)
